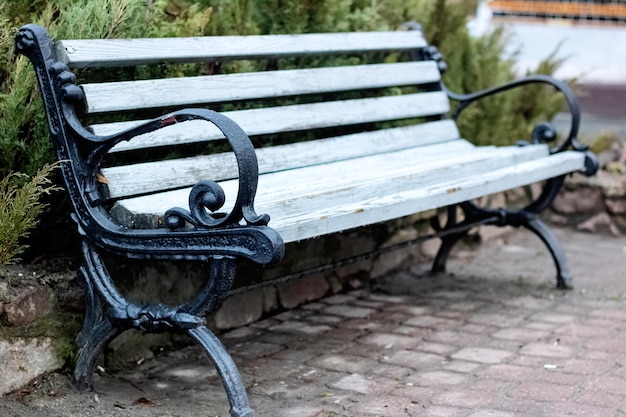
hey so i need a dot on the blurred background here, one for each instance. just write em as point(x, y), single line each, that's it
point(589, 36)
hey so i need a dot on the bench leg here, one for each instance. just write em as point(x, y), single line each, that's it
point(563, 275)
point(447, 243)
point(450, 234)
point(454, 231)
point(108, 314)
point(95, 343)
point(226, 369)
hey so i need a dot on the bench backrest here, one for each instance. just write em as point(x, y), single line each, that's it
point(344, 94)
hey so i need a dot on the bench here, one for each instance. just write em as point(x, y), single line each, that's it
point(332, 135)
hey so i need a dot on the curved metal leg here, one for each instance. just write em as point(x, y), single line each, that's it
point(93, 309)
point(227, 370)
point(447, 243)
point(100, 326)
point(563, 275)
point(93, 346)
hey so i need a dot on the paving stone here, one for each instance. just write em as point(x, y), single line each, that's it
point(461, 366)
point(300, 327)
point(432, 322)
point(437, 378)
point(454, 337)
point(551, 317)
point(412, 359)
point(543, 391)
point(492, 413)
point(339, 299)
point(344, 363)
point(520, 334)
point(410, 310)
point(512, 372)
point(254, 349)
point(368, 304)
point(586, 366)
point(496, 320)
point(571, 408)
point(387, 406)
point(608, 384)
point(538, 325)
point(612, 314)
point(437, 348)
point(439, 411)
point(355, 383)
point(578, 331)
point(386, 298)
point(414, 332)
point(389, 341)
point(482, 355)
point(324, 319)
point(548, 350)
point(466, 398)
point(349, 311)
point(361, 324)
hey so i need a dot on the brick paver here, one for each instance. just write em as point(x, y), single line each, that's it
point(459, 345)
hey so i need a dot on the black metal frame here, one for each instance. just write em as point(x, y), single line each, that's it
point(200, 233)
point(526, 217)
point(204, 234)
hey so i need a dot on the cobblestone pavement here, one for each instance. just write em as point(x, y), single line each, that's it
point(491, 338)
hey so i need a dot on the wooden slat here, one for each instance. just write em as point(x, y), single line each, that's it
point(189, 91)
point(121, 52)
point(137, 179)
point(288, 118)
point(379, 175)
point(323, 199)
point(355, 213)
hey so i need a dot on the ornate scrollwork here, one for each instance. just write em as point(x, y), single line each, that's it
point(24, 41)
point(205, 198)
point(157, 318)
point(544, 133)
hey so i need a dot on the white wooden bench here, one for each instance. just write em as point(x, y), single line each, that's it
point(353, 144)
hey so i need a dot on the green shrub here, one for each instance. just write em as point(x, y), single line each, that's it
point(20, 205)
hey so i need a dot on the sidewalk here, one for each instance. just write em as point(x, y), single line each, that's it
point(491, 338)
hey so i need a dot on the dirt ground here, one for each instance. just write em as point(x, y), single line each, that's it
point(183, 383)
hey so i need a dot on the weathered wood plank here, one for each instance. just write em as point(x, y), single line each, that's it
point(330, 219)
point(190, 91)
point(156, 176)
point(288, 118)
point(128, 52)
point(304, 203)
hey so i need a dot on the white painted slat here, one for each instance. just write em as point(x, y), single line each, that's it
point(288, 118)
point(190, 91)
point(363, 177)
point(329, 219)
point(121, 52)
point(304, 202)
point(136, 179)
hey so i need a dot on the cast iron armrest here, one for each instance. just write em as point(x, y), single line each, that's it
point(545, 133)
point(81, 153)
point(211, 232)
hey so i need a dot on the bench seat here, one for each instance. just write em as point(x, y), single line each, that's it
point(320, 199)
